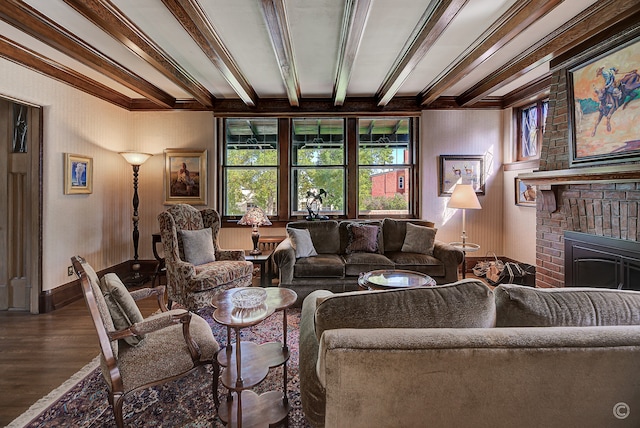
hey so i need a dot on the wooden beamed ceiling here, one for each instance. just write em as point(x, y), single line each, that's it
point(353, 30)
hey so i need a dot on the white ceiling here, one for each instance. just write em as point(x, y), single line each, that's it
point(314, 28)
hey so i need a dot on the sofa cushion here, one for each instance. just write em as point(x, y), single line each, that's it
point(521, 306)
point(394, 231)
point(198, 246)
point(123, 309)
point(343, 229)
point(324, 234)
point(322, 265)
point(419, 239)
point(362, 238)
point(466, 304)
point(357, 263)
point(301, 242)
point(418, 262)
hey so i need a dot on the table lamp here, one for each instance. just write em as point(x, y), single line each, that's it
point(464, 197)
point(255, 217)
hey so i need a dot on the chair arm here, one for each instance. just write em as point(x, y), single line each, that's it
point(143, 293)
point(284, 256)
point(230, 255)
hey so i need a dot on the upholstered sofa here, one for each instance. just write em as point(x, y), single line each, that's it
point(463, 355)
point(339, 259)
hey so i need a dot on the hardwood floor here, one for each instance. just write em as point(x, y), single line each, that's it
point(40, 352)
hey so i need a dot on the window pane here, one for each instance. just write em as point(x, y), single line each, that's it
point(529, 126)
point(251, 185)
point(545, 109)
point(331, 180)
point(251, 142)
point(383, 141)
point(317, 142)
point(383, 191)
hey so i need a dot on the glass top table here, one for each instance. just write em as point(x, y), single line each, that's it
point(394, 278)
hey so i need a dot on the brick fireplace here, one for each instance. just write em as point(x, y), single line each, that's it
point(600, 207)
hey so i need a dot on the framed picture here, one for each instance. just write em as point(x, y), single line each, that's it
point(185, 177)
point(604, 93)
point(78, 174)
point(525, 193)
point(463, 169)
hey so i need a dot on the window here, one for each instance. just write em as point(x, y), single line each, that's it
point(384, 166)
point(531, 124)
point(365, 166)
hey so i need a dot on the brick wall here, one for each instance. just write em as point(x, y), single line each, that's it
point(610, 209)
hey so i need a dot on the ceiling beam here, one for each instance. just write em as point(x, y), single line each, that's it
point(430, 27)
point(354, 21)
point(194, 20)
point(24, 56)
point(32, 22)
point(595, 18)
point(113, 22)
point(519, 16)
point(275, 16)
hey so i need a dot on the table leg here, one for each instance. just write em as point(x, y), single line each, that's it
point(285, 347)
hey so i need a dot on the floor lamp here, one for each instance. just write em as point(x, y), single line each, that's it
point(464, 197)
point(135, 159)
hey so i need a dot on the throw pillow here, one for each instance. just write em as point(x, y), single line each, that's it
point(301, 242)
point(419, 239)
point(198, 246)
point(363, 238)
point(123, 309)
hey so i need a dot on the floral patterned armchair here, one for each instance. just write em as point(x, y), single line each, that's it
point(197, 269)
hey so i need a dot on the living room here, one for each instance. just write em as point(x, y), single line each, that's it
point(98, 225)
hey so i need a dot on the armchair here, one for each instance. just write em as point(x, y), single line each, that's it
point(193, 280)
point(167, 346)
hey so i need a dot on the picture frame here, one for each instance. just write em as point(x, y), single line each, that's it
point(525, 194)
point(185, 177)
point(463, 169)
point(78, 174)
point(604, 94)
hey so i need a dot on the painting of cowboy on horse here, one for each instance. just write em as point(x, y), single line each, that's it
point(606, 92)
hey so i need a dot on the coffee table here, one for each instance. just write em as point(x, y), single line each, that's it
point(394, 278)
point(246, 364)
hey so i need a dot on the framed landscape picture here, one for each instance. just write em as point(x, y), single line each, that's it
point(525, 193)
point(185, 177)
point(604, 93)
point(460, 169)
point(78, 174)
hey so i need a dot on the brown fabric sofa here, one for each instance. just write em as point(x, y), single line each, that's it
point(432, 356)
point(337, 270)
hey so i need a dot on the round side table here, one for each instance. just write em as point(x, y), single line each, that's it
point(466, 247)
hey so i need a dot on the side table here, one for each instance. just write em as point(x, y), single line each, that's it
point(263, 260)
point(466, 247)
point(246, 364)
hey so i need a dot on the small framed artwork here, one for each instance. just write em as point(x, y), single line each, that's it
point(605, 96)
point(525, 193)
point(460, 169)
point(185, 177)
point(78, 174)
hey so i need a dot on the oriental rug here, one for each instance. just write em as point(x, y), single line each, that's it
point(82, 401)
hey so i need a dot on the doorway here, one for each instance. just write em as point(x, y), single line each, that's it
point(20, 206)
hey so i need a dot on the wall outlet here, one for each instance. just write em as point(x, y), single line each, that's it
point(70, 271)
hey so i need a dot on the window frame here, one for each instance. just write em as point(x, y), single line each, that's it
point(285, 168)
point(517, 115)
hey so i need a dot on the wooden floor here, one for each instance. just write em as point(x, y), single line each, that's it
point(40, 352)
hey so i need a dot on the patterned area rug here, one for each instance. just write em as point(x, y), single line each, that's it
point(186, 402)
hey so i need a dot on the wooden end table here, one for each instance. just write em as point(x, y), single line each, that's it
point(263, 260)
point(246, 364)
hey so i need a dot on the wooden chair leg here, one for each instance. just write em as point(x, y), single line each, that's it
point(118, 401)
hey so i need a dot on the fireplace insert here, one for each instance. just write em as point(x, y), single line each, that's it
point(599, 261)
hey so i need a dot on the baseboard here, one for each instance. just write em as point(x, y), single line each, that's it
point(70, 292)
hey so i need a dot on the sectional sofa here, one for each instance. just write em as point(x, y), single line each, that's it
point(331, 255)
point(463, 355)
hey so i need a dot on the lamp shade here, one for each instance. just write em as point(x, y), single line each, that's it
point(136, 158)
point(254, 217)
point(464, 196)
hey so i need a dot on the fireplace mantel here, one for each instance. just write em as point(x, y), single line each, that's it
point(596, 174)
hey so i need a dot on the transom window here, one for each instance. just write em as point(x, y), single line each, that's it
point(362, 167)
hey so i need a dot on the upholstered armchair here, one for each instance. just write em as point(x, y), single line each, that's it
point(197, 269)
point(138, 353)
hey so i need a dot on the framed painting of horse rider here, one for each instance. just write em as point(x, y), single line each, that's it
point(604, 93)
